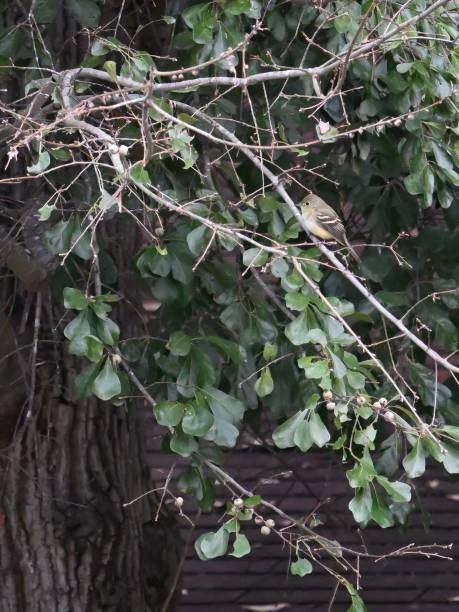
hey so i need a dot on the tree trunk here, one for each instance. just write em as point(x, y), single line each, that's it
point(66, 541)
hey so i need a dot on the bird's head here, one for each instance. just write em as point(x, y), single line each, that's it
point(310, 203)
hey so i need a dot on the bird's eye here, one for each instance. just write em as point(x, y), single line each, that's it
point(307, 203)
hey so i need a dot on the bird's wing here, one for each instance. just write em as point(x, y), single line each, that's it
point(333, 225)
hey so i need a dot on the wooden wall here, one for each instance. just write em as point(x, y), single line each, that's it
point(261, 581)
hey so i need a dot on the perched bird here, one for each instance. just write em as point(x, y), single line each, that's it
point(323, 222)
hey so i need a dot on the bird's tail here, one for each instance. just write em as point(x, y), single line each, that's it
point(352, 252)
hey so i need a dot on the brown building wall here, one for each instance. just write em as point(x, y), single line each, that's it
point(261, 581)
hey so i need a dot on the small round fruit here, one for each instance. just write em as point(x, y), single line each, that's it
point(265, 530)
point(178, 503)
point(238, 503)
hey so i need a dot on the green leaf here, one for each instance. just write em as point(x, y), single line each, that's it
point(225, 406)
point(361, 474)
point(139, 174)
point(357, 601)
point(451, 459)
point(76, 331)
point(415, 462)
point(86, 12)
point(451, 430)
point(414, 184)
point(360, 505)
point(232, 526)
point(255, 257)
point(302, 330)
point(380, 513)
point(283, 435)
point(41, 164)
point(264, 385)
point(314, 369)
point(319, 433)
point(441, 157)
point(181, 269)
point(223, 433)
point(356, 380)
point(74, 298)
point(241, 546)
point(298, 330)
point(326, 134)
point(228, 412)
point(94, 348)
point(107, 384)
point(279, 268)
point(297, 301)
point(339, 368)
point(152, 263)
point(108, 331)
point(232, 350)
point(183, 444)
point(404, 67)
point(110, 69)
point(169, 414)
point(195, 483)
point(270, 351)
point(198, 239)
point(302, 436)
point(45, 11)
point(69, 236)
point(428, 185)
point(252, 501)
point(236, 7)
point(431, 392)
point(343, 23)
point(200, 18)
point(179, 344)
point(85, 379)
point(212, 545)
point(46, 211)
point(292, 282)
point(197, 420)
point(99, 48)
point(452, 176)
point(446, 333)
point(365, 437)
point(61, 154)
point(301, 567)
point(399, 491)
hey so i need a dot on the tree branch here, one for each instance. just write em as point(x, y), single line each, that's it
point(329, 254)
point(274, 75)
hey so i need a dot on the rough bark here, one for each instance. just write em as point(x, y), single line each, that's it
point(66, 542)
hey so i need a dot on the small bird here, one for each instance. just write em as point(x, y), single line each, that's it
point(323, 222)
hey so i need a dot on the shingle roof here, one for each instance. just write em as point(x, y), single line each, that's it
point(261, 582)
